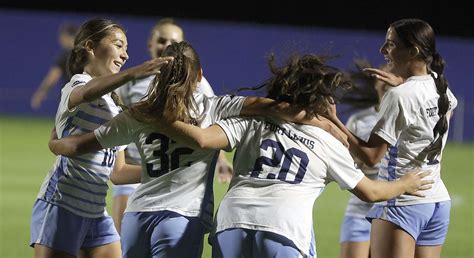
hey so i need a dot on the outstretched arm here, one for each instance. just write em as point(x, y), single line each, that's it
point(73, 145)
point(195, 137)
point(374, 191)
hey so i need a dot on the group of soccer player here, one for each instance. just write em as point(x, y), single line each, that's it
point(159, 126)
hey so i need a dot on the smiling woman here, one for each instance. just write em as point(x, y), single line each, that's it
point(72, 196)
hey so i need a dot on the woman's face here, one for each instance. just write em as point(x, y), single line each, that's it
point(110, 54)
point(395, 52)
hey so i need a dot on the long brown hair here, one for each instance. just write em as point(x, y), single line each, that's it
point(170, 95)
point(306, 82)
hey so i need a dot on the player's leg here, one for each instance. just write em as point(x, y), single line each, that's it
point(232, 243)
point(120, 195)
point(135, 237)
point(268, 244)
point(102, 239)
point(390, 241)
point(56, 232)
point(431, 239)
point(176, 236)
point(355, 237)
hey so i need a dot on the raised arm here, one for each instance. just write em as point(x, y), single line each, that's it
point(99, 86)
point(374, 191)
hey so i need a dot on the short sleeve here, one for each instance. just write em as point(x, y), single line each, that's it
point(224, 106)
point(234, 128)
point(77, 80)
point(341, 166)
point(392, 118)
point(118, 131)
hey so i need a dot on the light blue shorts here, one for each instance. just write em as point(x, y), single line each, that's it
point(426, 223)
point(62, 230)
point(127, 190)
point(161, 234)
point(355, 229)
point(247, 243)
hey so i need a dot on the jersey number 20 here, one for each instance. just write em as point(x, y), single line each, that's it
point(279, 154)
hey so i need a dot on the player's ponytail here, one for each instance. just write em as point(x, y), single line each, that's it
point(170, 95)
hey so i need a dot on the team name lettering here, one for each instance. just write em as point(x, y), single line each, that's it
point(288, 133)
point(432, 111)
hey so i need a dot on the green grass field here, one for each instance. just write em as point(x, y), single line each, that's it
point(25, 160)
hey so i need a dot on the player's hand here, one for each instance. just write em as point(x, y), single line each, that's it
point(387, 77)
point(151, 67)
point(414, 183)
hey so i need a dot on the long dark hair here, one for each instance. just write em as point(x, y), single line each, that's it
point(419, 34)
point(170, 95)
point(306, 82)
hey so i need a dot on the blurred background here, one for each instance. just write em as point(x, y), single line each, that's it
point(233, 42)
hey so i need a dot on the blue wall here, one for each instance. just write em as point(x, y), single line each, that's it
point(232, 55)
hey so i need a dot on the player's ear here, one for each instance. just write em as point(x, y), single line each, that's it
point(89, 46)
point(414, 51)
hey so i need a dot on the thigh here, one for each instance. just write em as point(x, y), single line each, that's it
point(44, 251)
point(268, 244)
point(177, 236)
point(428, 251)
point(388, 240)
point(135, 238)
point(111, 250)
point(355, 249)
point(232, 243)
point(119, 204)
point(57, 229)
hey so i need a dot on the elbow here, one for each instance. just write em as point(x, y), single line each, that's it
point(114, 179)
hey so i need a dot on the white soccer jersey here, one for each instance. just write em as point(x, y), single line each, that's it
point(79, 184)
point(174, 177)
point(279, 171)
point(408, 114)
point(361, 124)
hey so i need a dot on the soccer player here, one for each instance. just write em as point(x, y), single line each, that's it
point(410, 133)
point(165, 32)
point(69, 216)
